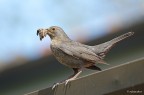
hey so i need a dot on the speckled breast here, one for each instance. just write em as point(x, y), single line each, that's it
point(66, 59)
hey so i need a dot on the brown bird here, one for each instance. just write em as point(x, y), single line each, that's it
point(74, 54)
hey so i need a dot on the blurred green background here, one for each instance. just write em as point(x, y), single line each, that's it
point(26, 63)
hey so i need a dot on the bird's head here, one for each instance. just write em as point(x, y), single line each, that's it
point(54, 32)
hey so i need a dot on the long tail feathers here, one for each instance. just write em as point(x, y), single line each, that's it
point(122, 37)
point(103, 48)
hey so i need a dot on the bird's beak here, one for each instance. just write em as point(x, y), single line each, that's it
point(50, 33)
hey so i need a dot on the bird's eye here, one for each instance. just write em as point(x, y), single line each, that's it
point(53, 28)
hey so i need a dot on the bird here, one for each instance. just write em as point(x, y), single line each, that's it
point(76, 55)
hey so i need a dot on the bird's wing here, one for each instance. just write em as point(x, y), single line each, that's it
point(80, 52)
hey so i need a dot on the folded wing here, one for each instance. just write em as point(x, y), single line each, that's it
point(81, 52)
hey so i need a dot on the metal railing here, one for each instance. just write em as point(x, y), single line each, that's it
point(117, 80)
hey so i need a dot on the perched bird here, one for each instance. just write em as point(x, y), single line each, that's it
point(74, 54)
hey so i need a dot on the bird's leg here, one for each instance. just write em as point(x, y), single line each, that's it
point(77, 72)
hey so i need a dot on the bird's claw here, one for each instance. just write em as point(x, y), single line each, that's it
point(55, 85)
point(67, 81)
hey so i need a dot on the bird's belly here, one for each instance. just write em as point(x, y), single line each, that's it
point(67, 60)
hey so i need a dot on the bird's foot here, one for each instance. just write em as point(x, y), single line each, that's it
point(55, 85)
point(67, 81)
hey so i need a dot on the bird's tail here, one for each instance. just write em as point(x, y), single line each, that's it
point(122, 37)
point(103, 48)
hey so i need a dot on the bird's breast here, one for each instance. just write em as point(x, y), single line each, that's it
point(66, 59)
